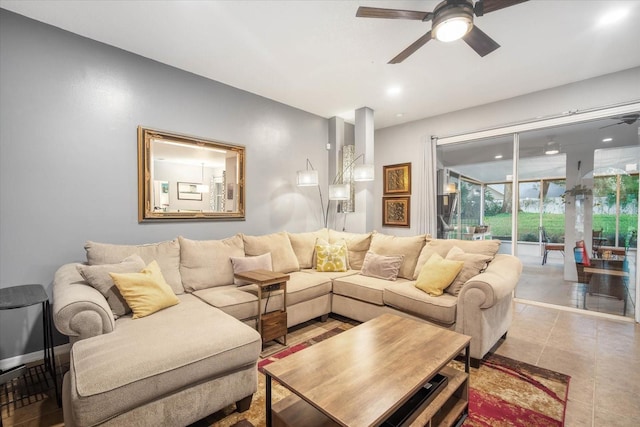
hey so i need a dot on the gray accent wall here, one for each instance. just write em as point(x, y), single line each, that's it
point(69, 109)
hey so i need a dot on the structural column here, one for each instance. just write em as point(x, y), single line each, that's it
point(364, 141)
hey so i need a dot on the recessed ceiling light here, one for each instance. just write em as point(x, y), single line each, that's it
point(612, 17)
point(394, 91)
point(607, 139)
point(498, 156)
point(399, 115)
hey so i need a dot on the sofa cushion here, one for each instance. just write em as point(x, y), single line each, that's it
point(206, 263)
point(437, 274)
point(474, 264)
point(146, 292)
point(363, 288)
point(240, 302)
point(282, 255)
point(410, 247)
point(249, 263)
point(153, 356)
point(166, 253)
point(443, 246)
point(407, 298)
point(98, 277)
point(382, 266)
point(304, 287)
point(331, 257)
point(358, 245)
point(304, 245)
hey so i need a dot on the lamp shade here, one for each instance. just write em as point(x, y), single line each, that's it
point(451, 188)
point(307, 178)
point(363, 173)
point(339, 192)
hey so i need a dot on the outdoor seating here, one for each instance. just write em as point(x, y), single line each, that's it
point(548, 245)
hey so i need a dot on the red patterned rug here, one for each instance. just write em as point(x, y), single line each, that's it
point(503, 392)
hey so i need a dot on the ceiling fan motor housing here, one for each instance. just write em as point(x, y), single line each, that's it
point(449, 10)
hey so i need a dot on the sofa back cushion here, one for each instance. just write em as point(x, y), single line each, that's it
point(207, 263)
point(167, 254)
point(282, 256)
point(303, 245)
point(410, 247)
point(443, 246)
point(357, 244)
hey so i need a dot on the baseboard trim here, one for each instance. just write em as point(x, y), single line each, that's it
point(61, 350)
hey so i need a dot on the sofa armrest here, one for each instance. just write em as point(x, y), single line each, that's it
point(496, 282)
point(79, 311)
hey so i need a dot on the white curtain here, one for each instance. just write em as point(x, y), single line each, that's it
point(427, 199)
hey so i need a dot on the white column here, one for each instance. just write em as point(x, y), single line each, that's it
point(362, 219)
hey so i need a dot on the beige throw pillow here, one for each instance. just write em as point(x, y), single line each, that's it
point(145, 292)
point(205, 263)
point(167, 254)
point(249, 263)
point(382, 266)
point(437, 274)
point(473, 265)
point(282, 256)
point(410, 247)
point(98, 277)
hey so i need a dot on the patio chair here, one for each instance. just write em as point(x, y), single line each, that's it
point(548, 246)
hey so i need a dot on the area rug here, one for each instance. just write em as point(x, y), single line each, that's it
point(503, 392)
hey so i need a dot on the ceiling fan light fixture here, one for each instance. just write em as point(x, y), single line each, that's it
point(453, 29)
point(452, 22)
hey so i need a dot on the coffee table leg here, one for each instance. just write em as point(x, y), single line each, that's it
point(268, 400)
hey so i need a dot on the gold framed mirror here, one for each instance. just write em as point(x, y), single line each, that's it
point(182, 177)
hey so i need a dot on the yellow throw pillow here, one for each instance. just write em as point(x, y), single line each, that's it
point(145, 292)
point(437, 274)
point(331, 257)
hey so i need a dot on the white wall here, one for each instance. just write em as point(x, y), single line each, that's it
point(69, 111)
point(403, 143)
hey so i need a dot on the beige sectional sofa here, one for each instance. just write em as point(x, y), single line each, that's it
point(193, 358)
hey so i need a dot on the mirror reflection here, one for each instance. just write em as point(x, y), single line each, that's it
point(182, 177)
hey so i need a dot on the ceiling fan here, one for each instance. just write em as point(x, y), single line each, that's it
point(452, 20)
point(628, 119)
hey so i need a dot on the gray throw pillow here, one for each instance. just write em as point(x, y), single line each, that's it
point(384, 267)
point(98, 277)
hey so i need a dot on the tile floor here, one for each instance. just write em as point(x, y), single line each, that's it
point(601, 355)
point(555, 290)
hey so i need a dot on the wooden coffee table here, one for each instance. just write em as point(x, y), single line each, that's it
point(364, 375)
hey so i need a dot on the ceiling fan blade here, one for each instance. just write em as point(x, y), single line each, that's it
point(480, 42)
point(615, 124)
point(493, 5)
point(376, 12)
point(411, 49)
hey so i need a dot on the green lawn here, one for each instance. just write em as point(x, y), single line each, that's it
point(554, 224)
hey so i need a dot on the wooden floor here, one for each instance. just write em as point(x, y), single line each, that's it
point(602, 356)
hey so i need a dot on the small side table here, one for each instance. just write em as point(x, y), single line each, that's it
point(25, 296)
point(274, 324)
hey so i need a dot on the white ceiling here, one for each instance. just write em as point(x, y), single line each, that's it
point(317, 56)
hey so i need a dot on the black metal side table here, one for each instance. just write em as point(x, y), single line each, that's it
point(25, 296)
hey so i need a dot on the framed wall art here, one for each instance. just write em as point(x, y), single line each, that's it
point(397, 179)
point(396, 211)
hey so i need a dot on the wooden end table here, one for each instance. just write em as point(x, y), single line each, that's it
point(271, 325)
